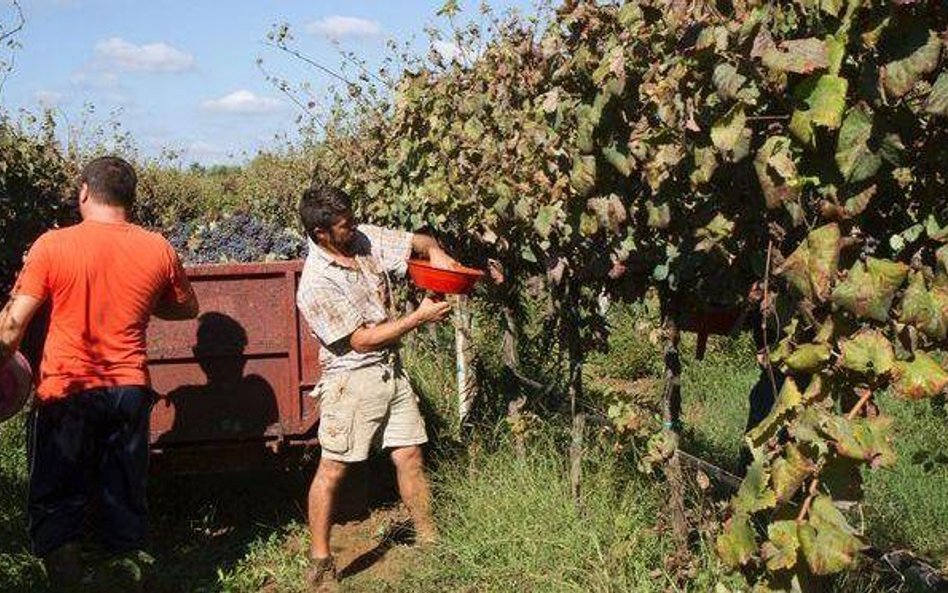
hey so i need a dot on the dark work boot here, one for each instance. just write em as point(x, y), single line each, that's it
point(126, 572)
point(64, 567)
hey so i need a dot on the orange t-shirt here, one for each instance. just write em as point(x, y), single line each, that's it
point(103, 281)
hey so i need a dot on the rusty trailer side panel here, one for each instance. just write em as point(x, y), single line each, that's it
point(241, 373)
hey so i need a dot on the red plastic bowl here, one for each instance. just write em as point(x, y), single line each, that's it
point(454, 281)
point(16, 384)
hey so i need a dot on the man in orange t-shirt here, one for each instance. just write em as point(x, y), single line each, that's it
point(103, 279)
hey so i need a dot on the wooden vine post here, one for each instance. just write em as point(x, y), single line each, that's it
point(671, 426)
point(577, 416)
point(578, 430)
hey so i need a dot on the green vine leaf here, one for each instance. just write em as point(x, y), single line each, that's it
point(937, 102)
point(755, 495)
point(868, 353)
point(737, 543)
point(869, 288)
point(856, 160)
point(808, 428)
point(824, 98)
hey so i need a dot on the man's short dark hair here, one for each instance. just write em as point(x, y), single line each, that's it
point(321, 205)
point(111, 181)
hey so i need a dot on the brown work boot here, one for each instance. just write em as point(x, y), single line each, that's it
point(321, 575)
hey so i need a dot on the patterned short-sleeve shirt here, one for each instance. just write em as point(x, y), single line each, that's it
point(336, 300)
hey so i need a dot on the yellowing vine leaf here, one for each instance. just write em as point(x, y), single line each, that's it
point(926, 309)
point(866, 439)
point(583, 175)
point(789, 471)
point(812, 268)
point(787, 400)
point(899, 76)
point(622, 162)
point(777, 171)
point(828, 542)
point(801, 56)
point(919, 378)
point(731, 136)
point(808, 358)
point(780, 551)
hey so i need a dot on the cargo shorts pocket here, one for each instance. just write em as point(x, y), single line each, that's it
point(335, 431)
point(336, 418)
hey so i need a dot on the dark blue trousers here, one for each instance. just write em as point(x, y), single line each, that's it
point(89, 466)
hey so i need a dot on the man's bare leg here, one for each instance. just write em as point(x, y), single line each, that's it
point(322, 499)
point(414, 490)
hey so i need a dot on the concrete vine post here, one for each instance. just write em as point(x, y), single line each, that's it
point(464, 355)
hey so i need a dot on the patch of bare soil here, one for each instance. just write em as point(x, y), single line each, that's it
point(374, 548)
point(370, 549)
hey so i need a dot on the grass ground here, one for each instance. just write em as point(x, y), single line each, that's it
point(906, 505)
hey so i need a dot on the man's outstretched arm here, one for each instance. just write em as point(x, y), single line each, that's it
point(376, 337)
point(14, 319)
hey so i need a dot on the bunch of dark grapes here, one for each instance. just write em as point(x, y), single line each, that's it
point(235, 238)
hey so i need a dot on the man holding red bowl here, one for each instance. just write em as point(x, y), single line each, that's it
point(365, 400)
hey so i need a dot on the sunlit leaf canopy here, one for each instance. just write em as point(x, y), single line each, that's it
point(696, 150)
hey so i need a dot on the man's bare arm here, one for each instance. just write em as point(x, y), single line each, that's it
point(14, 319)
point(428, 248)
point(169, 310)
point(369, 339)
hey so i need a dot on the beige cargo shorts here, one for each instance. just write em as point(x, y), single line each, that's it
point(365, 409)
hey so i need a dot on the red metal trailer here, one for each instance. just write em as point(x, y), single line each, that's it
point(234, 383)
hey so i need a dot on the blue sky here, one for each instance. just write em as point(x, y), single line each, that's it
point(182, 74)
